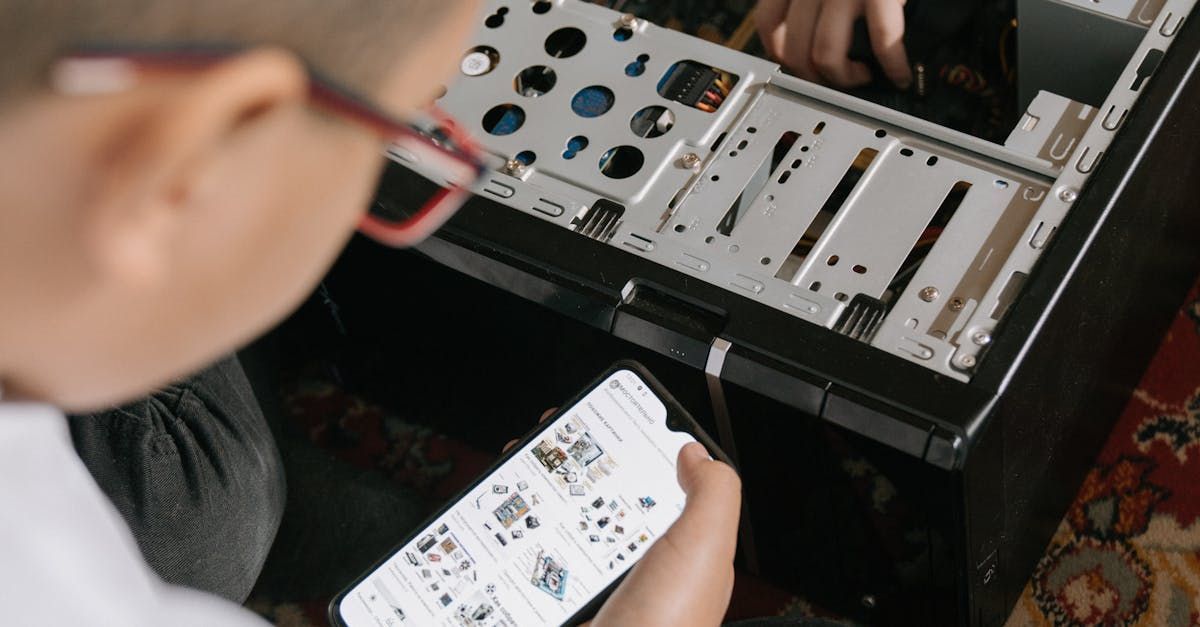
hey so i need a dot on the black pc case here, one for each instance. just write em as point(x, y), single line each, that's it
point(875, 487)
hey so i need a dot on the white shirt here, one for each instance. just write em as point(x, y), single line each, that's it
point(66, 556)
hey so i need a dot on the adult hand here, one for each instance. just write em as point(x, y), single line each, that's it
point(686, 578)
point(813, 37)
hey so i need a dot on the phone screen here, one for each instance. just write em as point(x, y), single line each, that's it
point(550, 529)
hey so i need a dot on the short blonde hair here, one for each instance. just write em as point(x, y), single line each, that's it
point(351, 41)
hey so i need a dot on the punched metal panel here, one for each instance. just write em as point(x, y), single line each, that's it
point(806, 200)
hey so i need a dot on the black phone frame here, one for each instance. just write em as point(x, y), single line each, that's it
point(677, 419)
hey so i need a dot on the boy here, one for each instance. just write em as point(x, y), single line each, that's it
point(157, 215)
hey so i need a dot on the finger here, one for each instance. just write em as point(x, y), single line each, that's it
point(796, 38)
point(511, 443)
point(831, 44)
point(701, 544)
point(768, 18)
point(714, 495)
point(885, 23)
point(546, 414)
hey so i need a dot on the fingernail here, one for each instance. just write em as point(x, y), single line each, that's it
point(694, 452)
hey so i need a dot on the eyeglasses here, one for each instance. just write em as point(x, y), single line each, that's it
point(431, 142)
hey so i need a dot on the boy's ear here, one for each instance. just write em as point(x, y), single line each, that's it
point(150, 162)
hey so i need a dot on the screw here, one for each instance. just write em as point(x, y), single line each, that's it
point(514, 167)
point(868, 601)
point(982, 338)
point(957, 304)
point(930, 294)
point(629, 20)
point(1068, 195)
point(690, 161)
point(967, 361)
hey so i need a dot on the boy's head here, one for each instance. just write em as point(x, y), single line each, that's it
point(146, 231)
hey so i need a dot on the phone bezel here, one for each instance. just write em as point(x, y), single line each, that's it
point(675, 413)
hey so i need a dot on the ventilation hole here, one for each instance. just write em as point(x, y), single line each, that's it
point(742, 144)
point(733, 248)
point(565, 42)
point(769, 198)
point(715, 178)
point(860, 269)
point(907, 152)
point(840, 296)
point(766, 261)
point(783, 178)
point(932, 161)
point(623, 34)
point(592, 102)
point(818, 128)
point(542, 6)
point(796, 164)
point(720, 138)
point(751, 130)
point(804, 149)
point(642, 58)
point(577, 143)
point(504, 119)
point(709, 239)
point(496, 20)
point(535, 81)
point(621, 162)
point(833, 260)
point(1000, 184)
point(881, 133)
point(479, 61)
point(679, 228)
point(637, 67)
point(815, 287)
point(733, 153)
point(651, 122)
point(526, 157)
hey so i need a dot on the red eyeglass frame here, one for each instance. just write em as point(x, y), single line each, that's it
point(453, 149)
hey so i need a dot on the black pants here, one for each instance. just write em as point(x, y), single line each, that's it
point(195, 473)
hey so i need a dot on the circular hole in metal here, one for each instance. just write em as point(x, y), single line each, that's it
point(709, 239)
point(504, 119)
point(766, 261)
point(733, 153)
point(859, 269)
point(679, 228)
point(881, 133)
point(733, 248)
point(907, 152)
point(535, 81)
point(840, 296)
point(833, 260)
point(770, 198)
point(623, 34)
point(565, 42)
point(496, 20)
point(479, 61)
point(815, 287)
point(751, 130)
point(1001, 184)
point(931, 161)
point(621, 162)
point(592, 102)
point(804, 149)
point(653, 121)
point(574, 146)
point(714, 178)
point(542, 6)
point(526, 157)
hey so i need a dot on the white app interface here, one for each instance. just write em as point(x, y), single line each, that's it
point(546, 532)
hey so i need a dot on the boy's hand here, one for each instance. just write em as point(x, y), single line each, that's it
point(687, 576)
point(813, 38)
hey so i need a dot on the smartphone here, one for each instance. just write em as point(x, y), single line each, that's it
point(550, 529)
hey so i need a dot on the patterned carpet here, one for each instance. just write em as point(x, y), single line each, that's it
point(1127, 553)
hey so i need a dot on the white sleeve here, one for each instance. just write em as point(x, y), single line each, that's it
point(67, 556)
